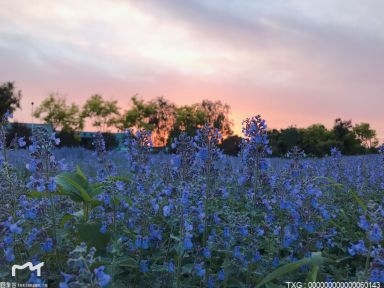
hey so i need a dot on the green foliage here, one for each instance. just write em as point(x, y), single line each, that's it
point(79, 189)
point(217, 115)
point(163, 120)
point(103, 113)
point(9, 98)
point(167, 121)
point(15, 130)
point(90, 234)
point(317, 140)
point(366, 135)
point(314, 261)
point(231, 145)
point(140, 115)
point(54, 110)
point(190, 118)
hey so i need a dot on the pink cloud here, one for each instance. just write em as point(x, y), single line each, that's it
point(285, 61)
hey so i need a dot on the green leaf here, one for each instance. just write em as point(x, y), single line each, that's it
point(96, 189)
point(95, 203)
point(271, 285)
point(312, 274)
point(175, 238)
point(90, 233)
point(37, 194)
point(75, 186)
point(75, 197)
point(159, 268)
point(179, 249)
point(65, 219)
point(187, 268)
point(120, 178)
point(315, 259)
point(80, 172)
point(358, 200)
point(126, 262)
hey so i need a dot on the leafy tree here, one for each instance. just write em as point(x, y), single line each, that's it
point(343, 133)
point(103, 113)
point(167, 121)
point(157, 115)
point(162, 120)
point(289, 138)
point(274, 136)
point(55, 111)
point(139, 116)
point(189, 118)
point(231, 145)
point(217, 115)
point(9, 98)
point(316, 140)
point(366, 135)
point(342, 129)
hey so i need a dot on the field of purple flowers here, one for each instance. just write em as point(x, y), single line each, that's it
point(193, 218)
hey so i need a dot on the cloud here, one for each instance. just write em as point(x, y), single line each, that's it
point(294, 59)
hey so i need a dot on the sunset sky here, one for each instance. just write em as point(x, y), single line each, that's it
point(293, 62)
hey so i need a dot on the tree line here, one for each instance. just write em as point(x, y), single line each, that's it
point(166, 121)
point(162, 117)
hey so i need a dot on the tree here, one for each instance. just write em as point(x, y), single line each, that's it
point(162, 120)
point(366, 135)
point(231, 145)
point(139, 116)
point(55, 111)
point(342, 129)
point(9, 98)
point(342, 132)
point(217, 115)
point(103, 113)
point(289, 138)
point(317, 140)
point(188, 119)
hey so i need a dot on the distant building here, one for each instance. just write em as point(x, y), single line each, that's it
point(30, 126)
point(115, 140)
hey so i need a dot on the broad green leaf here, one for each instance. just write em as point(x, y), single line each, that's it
point(315, 259)
point(75, 197)
point(312, 274)
point(96, 189)
point(90, 233)
point(80, 172)
point(74, 185)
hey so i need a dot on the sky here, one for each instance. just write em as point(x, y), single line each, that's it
point(294, 62)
